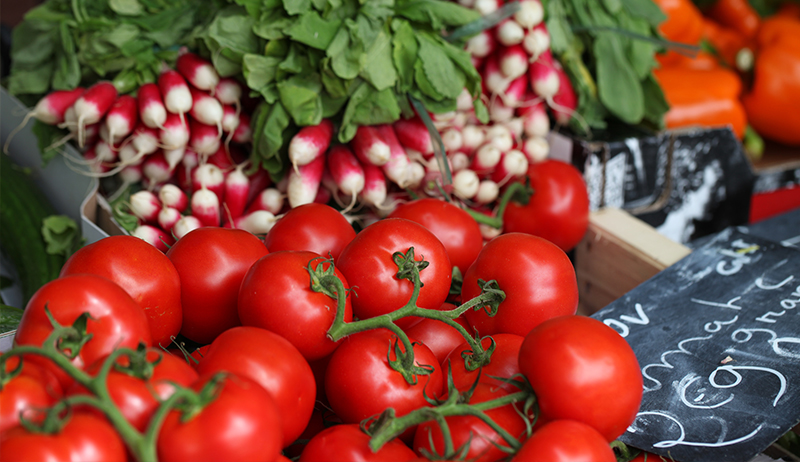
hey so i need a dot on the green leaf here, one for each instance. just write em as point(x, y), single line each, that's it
point(229, 37)
point(334, 86)
point(313, 31)
point(272, 23)
point(47, 137)
point(645, 9)
point(655, 103)
point(259, 73)
point(300, 97)
point(368, 107)
point(463, 60)
point(347, 56)
point(379, 69)
point(253, 7)
point(10, 317)
point(439, 70)
point(618, 87)
point(61, 234)
point(126, 7)
point(612, 6)
point(641, 53)
point(271, 122)
point(559, 27)
point(295, 7)
point(404, 53)
point(437, 13)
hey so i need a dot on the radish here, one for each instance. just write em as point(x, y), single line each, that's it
point(494, 80)
point(516, 92)
point(509, 32)
point(413, 134)
point(51, 108)
point(513, 61)
point(499, 112)
point(92, 106)
point(243, 133)
point(458, 161)
point(174, 133)
point(203, 139)
point(175, 91)
point(173, 196)
point(229, 91)
point(184, 173)
point(466, 184)
point(485, 7)
point(186, 224)
point(346, 171)
point(302, 184)
point(204, 205)
point(536, 149)
point(230, 119)
point(96, 165)
point(156, 169)
point(168, 217)
point(488, 191)
point(155, 236)
point(466, 3)
point(536, 41)
point(536, 122)
point(514, 163)
point(414, 175)
point(105, 152)
point(151, 106)
point(129, 175)
point(197, 71)
point(369, 147)
point(174, 157)
point(565, 101)
point(530, 14)
point(396, 167)
point(310, 142)
point(209, 176)
point(452, 140)
point(544, 77)
point(206, 109)
point(270, 199)
point(259, 181)
point(375, 188)
point(472, 137)
point(258, 222)
point(500, 137)
point(234, 199)
point(486, 159)
point(145, 206)
point(515, 126)
point(122, 118)
point(222, 159)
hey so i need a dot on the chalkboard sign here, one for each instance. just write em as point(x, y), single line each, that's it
point(717, 336)
point(783, 229)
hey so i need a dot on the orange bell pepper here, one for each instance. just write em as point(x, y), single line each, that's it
point(738, 15)
point(729, 44)
point(684, 24)
point(773, 100)
point(703, 97)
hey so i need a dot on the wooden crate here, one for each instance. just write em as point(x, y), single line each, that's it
point(618, 253)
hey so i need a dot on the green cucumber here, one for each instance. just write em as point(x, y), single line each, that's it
point(23, 208)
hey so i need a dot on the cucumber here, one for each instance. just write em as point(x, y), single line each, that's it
point(23, 207)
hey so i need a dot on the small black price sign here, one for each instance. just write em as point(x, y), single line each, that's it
point(717, 336)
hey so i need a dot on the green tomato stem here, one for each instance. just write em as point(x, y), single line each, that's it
point(496, 221)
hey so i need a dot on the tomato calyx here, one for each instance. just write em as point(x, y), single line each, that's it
point(190, 403)
point(404, 362)
point(70, 340)
point(137, 364)
point(474, 360)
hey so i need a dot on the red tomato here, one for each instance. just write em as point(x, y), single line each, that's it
point(565, 441)
point(360, 383)
point(84, 438)
point(581, 369)
point(242, 423)
point(347, 443)
point(276, 295)
point(314, 227)
point(143, 271)
point(471, 431)
point(211, 263)
point(32, 387)
point(536, 276)
point(558, 210)
point(272, 362)
point(458, 231)
point(438, 336)
point(116, 319)
point(137, 398)
point(504, 363)
point(369, 268)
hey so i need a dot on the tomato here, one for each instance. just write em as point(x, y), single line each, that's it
point(143, 271)
point(438, 336)
point(241, 423)
point(275, 364)
point(504, 363)
point(581, 369)
point(276, 295)
point(565, 441)
point(471, 431)
point(537, 277)
point(32, 387)
point(116, 319)
point(211, 263)
point(137, 398)
point(369, 268)
point(458, 231)
point(558, 209)
point(360, 383)
point(84, 438)
point(348, 443)
point(314, 227)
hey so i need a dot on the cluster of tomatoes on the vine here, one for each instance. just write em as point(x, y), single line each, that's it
point(318, 342)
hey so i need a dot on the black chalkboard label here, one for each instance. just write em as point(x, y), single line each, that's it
point(717, 336)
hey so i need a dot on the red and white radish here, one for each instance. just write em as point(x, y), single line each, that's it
point(486, 159)
point(488, 191)
point(174, 157)
point(513, 164)
point(186, 224)
point(229, 91)
point(168, 217)
point(513, 61)
point(346, 171)
point(175, 92)
point(396, 167)
point(50, 110)
point(530, 13)
point(536, 121)
point(413, 134)
point(536, 149)
point(509, 32)
point(494, 80)
point(145, 206)
point(472, 137)
point(151, 105)
point(269, 199)
point(544, 77)
point(206, 109)
point(485, 7)
point(257, 222)
point(458, 161)
point(303, 183)
point(205, 205)
point(171, 195)
point(375, 187)
point(155, 236)
point(234, 199)
point(203, 139)
point(310, 142)
point(92, 106)
point(500, 137)
point(565, 102)
point(452, 139)
point(197, 71)
point(243, 133)
point(466, 183)
point(122, 118)
point(536, 41)
point(209, 176)
point(156, 169)
point(369, 147)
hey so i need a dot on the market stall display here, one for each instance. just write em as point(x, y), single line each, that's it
point(358, 231)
